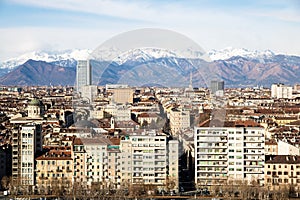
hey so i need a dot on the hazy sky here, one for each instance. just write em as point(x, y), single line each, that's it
point(34, 25)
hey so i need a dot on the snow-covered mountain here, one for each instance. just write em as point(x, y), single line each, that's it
point(145, 54)
point(136, 54)
point(230, 52)
point(152, 66)
point(67, 55)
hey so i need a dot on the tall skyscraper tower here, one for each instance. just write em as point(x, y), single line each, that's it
point(83, 74)
point(217, 87)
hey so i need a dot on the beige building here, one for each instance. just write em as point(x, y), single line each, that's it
point(147, 118)
point(179, 120)
point(123, 95)
point(54, 170)
point(282, 172)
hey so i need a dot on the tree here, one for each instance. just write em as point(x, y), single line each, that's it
point(5, 181)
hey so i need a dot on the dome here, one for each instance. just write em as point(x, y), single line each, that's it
point(35, 102)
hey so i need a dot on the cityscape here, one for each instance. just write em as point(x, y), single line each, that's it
point(117, 141)
point(149, 100)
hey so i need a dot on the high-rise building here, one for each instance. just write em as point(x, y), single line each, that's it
point(280, 91)
point(27, 140)
point(83, 74)
point(217, 87)
point(228, 154)
point(149, 158)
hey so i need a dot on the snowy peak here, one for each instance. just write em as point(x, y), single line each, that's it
point(47, 57)
point(143, 55)
point(230, 52)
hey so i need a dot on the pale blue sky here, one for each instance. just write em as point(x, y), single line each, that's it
point(34, 25)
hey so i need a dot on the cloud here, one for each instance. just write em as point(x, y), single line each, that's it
point(88, 23)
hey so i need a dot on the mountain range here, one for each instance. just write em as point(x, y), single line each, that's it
point(139, 67)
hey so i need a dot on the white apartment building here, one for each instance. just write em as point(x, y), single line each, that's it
point(120, 112)
point(179, 120)
point(228, 153)
point(149, 158)
point(27, 140)
point(281, 91)
point(90, 160)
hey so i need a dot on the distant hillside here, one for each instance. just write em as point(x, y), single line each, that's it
point(238, 68)
point(39, 73)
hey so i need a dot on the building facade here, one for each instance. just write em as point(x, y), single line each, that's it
point(283, 172)
point(83, 74)
point(280, 91)
point(179, 120)
point(228, 153)
point(150, 159)
point(27, 140)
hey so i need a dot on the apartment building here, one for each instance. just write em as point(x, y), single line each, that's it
point(54, 170)
point(283, 171)
point(179, 120)
point(280, 91)
point(118, 111)
point(27, 140)
point(228, 153)
point(122, 95)
point(90, 160)
point(149, 158)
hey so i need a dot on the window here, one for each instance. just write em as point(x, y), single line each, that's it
point(286, 180)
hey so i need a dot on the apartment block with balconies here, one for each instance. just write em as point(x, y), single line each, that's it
point(228, 153)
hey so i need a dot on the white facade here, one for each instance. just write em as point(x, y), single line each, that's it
point(145, 157)
point(27, 140)
point(285, 148)
point(228, 153)
point(281, 91)
point(119, 112)
point(179, 120)
point(90, 161)
point(90, 92)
